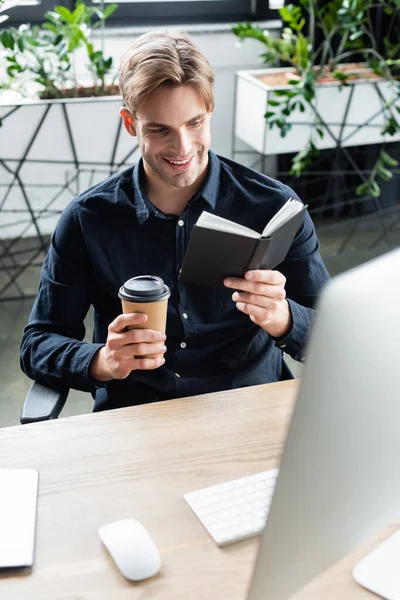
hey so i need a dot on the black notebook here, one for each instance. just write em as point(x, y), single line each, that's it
point(219, 248)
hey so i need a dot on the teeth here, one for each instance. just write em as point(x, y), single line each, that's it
point(180, 162)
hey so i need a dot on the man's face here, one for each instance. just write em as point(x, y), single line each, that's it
point(173, 132)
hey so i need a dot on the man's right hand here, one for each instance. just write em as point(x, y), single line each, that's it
point(124, 350)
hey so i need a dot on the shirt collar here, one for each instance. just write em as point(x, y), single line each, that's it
point(209, 191)
point(211, 185)
point(143, 205)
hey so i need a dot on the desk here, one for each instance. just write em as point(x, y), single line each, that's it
point(138, 462)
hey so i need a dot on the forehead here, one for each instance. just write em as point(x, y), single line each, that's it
point(172, 105)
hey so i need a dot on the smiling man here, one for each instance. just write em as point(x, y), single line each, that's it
point(139, 222)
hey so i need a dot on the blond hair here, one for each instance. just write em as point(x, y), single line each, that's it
point(163, 58)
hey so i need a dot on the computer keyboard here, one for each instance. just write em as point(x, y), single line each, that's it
point(237, 509)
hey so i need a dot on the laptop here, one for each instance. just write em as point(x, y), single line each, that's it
point(339, 479)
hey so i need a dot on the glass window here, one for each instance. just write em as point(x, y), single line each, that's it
point(159, 12)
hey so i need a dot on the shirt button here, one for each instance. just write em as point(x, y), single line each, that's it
point(184, 315)
point(183, 345)
point(181, 223)
point(177, 375)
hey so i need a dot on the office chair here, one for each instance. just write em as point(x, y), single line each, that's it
point(42, 403)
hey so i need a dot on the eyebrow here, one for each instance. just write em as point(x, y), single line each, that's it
point(155, 124)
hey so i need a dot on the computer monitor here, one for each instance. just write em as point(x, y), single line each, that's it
point(339, 480)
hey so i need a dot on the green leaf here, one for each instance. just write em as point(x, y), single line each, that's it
point(362, 189)
point(64, 13)
point(293, 16)
point(302, 53)
point(21, 44)
point(51, 27)
point(284, 127)
point(384, 173)
point(268, 115)
point(387, 159)
point(375, 190)
point(274, 102)
point(391, 127)
point(52, 16)
point(109, 10)
point(340, 76)
point(7, 39)
point(369, 188)
point(78, 12)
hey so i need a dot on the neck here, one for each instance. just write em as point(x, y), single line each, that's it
point(170, 199)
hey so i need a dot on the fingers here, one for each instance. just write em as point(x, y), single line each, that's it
point(129, 349)
point(265, 302)
point(270, 284)
point(262, 296)
point(121, 368)
point(266, 276)
point(257, 313)
point(146, 364)
point(134, 336)
point(138, 350)
point(123, 321)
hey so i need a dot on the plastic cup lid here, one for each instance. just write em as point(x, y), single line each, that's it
point(144, 288)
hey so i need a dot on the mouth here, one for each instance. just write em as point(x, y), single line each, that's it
point(180, 165)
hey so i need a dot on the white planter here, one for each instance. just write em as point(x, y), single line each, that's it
point(362, 125)
point(50, 150)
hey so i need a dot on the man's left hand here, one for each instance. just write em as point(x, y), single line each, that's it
point(262, 296)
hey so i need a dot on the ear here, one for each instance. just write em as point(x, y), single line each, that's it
point(128, 120)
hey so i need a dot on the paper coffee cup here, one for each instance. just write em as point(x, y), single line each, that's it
point(146, 294)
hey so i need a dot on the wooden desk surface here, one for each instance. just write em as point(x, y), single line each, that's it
point(138, 462)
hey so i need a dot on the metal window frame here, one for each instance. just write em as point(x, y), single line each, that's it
point(160, 12)
point(189, 11)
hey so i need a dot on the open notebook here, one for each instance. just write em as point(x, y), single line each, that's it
point(219, 248)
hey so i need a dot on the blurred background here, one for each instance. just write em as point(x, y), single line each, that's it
point(304, 92)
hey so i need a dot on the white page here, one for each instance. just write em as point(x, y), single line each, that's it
point(287, 211)
point(210, 221)
point(18, 500)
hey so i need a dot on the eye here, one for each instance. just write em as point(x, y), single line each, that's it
point(195, 124)
point(158, 131)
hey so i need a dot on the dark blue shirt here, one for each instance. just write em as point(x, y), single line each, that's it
point(111, 233)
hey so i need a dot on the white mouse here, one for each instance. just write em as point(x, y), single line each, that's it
point(132, 549)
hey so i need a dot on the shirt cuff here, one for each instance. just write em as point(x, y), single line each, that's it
point(79, 368)
point(293, 343)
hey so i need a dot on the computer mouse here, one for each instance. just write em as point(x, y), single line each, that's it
point(132, 549)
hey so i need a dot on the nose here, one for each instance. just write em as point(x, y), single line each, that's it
point(183, 144)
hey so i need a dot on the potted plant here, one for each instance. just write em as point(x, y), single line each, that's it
point(58, 136)
point(41, 60)
point(338, 89)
